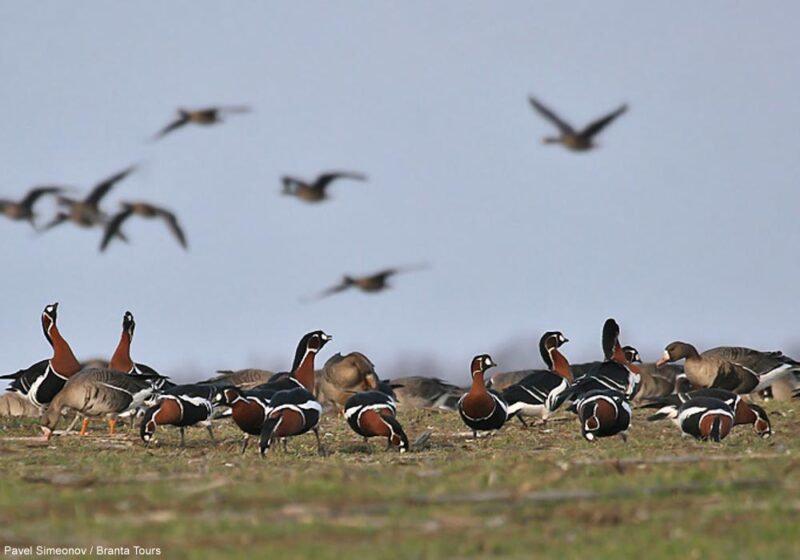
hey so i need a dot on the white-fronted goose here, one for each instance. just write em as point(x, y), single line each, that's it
point(316, 190)
point(43, 380)
point(480, 408)
point(578, 141)
point(23, 209)
point(205, 117)
point(655, 381)
point(248, 378)
point(603, 413)
point(143, 210)
point(744, 412)
point(98, 392)
point(737, 369)
point(427, 392)
point(86, 212)
point(344, 375)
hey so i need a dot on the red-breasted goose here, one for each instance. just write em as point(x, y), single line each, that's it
point(143, 210)
point(98, 392)
point(295, 411)
point(737, 369)
point(528, 396)
point(480, 408)
point(207, 116)
point(744, 412)
point(373, 414)
point(603, 413)
point(182, 406)
point(578, 141)
point(615, 373)
point(703, 418)
point(316, 190)
point(43, 380)
point(86, 212)
point(23, 209)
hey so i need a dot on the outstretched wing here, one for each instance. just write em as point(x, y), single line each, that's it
point(177, 123)
point(603, 122)
point(326, 178)
point(174, 226)
point(103, 187)
point(564, 127)
point(34, 194)
point(332, 290)
point(113, 226)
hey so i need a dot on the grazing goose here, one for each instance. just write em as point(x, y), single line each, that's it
point(615, 373)
point(427, 392)
point(373, 414)
point(86, 212)
point(182, 406)
point(603, 413)
point(43, 380)
point(23, 209)
point(655, 381)
point(316, 191)
point(744, 412)
point(344, 375)
point(737, 369)
point(17, 406)
point(295, 411)
point(369, 284)
point(481, 408)
point(703, 418)
point(98, 392)
point(208, 116)
point(143, 210)
point(578, 141)
point(528, 396)
point(243, 378)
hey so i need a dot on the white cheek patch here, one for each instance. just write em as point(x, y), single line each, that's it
point(665, 356)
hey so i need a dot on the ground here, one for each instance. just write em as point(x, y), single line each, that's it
point(542, 492)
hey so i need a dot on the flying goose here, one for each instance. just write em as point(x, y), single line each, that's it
point(737, 369)
point(98, 392)
point(316, 190)
point(578, 141)
point(86, 212)
point(372, 283)
point(144, 210)
point(23, 209)
point(208, 116)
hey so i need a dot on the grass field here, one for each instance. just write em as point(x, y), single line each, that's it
point(542, 492)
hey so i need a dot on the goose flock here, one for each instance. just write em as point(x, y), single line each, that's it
point(712, 393)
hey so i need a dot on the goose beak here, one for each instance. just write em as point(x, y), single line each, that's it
point(664, 359)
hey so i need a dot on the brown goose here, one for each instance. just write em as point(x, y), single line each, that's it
point(208, 116)
point(144, 210)
point(98, 392)
point(243, 378)
point(23, 210)
point(344, 375)
point(737, 369)
point(373, 283)
point(316, 190)
point(655, 381)
point(426, 392)
point(86, 212)
point(578, 141)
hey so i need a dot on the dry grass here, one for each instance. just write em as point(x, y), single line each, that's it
point(543, 491)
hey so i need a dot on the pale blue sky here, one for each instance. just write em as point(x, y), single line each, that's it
point(683, 225)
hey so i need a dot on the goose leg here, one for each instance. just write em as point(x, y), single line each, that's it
point(320, 449)
point(72, 424)
point(246, 441)
point(112, 425)
point(211, 434)
point(183, 437)
point(285, 446)
point(84, 427)
point(523, 422)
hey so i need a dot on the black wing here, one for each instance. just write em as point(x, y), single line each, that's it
point(34, 194)
point(564, 127)
point(177, 123)
point(601, 123)
point(333, 290)
point(103, 187)
point(112, 228)
point(174, 226)
point(326, 178)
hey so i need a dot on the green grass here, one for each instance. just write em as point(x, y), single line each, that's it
point(541, 492)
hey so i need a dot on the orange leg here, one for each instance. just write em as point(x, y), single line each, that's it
point(112, 424)
point(84, 426)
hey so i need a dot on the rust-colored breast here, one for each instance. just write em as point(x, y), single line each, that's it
point(169, 412)
point(707, 423)
point(292, 423)
point(478, 404)
point(370, 423)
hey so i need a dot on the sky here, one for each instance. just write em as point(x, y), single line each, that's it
point(683, 224)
